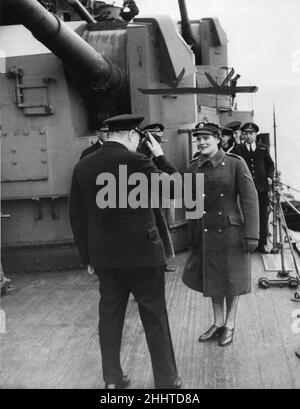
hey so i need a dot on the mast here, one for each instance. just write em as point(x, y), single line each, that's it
point(275, 141)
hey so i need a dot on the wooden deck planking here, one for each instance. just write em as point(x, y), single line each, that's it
point(24, 343)
point(52, 338)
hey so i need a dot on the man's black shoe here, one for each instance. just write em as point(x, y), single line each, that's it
point(174, 385)
point(122, 384)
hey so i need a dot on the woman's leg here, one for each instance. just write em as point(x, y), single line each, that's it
point(231, 306)
point(218, 307)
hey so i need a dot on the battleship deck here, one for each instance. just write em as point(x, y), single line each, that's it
point(52, 342)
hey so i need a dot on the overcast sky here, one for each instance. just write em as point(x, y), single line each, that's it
point(264, 48)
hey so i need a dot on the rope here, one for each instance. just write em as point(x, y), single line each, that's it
point(293, 237)
point(292, 206)
point(290, 187)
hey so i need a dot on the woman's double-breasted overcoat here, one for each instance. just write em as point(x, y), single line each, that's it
point(219, 264)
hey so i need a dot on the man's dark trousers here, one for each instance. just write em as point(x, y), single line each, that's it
point(263, 200)
point(148, 288)
point(261, 167)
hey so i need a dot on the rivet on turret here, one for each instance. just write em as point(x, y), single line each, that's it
point(43, 148)
point(42, 131)
point(26, 132)
point(14, 162)
point(43, 161)
point(13, 150)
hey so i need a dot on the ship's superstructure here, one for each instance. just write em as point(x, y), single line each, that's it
point(59, 84)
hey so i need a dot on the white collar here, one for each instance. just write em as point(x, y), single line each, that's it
point(253, 146)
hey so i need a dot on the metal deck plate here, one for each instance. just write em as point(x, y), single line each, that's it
point(272, 262)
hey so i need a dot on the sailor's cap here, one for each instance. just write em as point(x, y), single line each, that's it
point(235, 125)
point(250, 126)
point(124, 122)
point(227, 132)
point(153, 128)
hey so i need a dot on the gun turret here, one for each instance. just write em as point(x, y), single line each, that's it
point(73, 51)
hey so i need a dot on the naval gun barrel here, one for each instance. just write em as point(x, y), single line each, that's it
point(73, 51)
point(186, 29)
point(82, 11)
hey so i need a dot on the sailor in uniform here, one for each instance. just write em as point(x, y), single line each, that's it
point(235, 126)
point(261, 167)
point(228, 141)
point(157, 130)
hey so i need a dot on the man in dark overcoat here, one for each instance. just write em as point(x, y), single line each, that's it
point(261, 167)
point(102, 136)
point(123, 245)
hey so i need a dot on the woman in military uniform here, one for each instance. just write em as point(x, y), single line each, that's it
point(222, 240)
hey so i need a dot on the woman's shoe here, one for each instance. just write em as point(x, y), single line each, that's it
point(226, 336)
point(213, 332)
